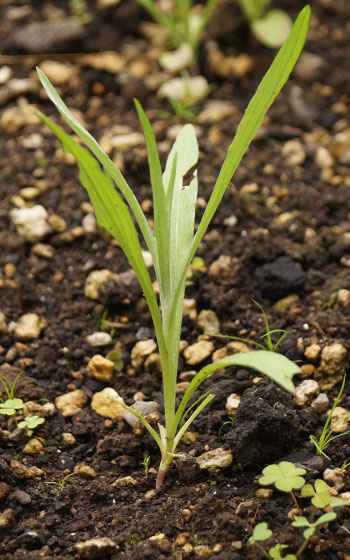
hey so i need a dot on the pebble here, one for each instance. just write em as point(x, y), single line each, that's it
point(333, 359)
point(99, 339)
point(68, 438)
point(305, 391)
point(5, 74)
point(95, 279)
point(343, 298)
point(28, 193)
point(4, 490)
point(47, 37)
point(31, 539)
point(141, 350)
point(31, 142)
point(98, 548)
point(188, 467)
point(14, 88)
point(89, 223)
point(323, 158)
point(280, 277)
point(31, 223)
point(20, 471)
point(103, 403)
point(49, 409)
point(6, 518)
point(216, 111)
point(57, 72)
point(312, 352)
point(189, 308)
point(294, 152)
point(232, 403)
point(85, 471)
point(125, 481)
point(264, 493)
point(144, 408)
point(321, 403)
point(29, 327)
point(199, 351)
point(33, 447)
point(3, 323)
point(109, 61)
point(340, 419)
point(43, 250)
point(15, 118)
point(308, 66)
point(224, 271)
point(101, 368)
point(71, 403)
point(219, 458)
point(21, 497)
point(57, 223)
point(336, 476)
point(208, 322)
point(124, 142)
point(203, 551)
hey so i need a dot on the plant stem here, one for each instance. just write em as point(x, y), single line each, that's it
point(162, 470)
point(296, 502)
point(302, 548)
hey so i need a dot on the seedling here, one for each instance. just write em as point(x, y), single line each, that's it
point(173, 242)
point(9, 388)
point(11, 406)
point(62, 482)
point(184, 24)
point(269, 344)
point(145, 464)
point(30, 423)
point(326, 436)
point(270, 27)
point(228, 422)
point(285, 476)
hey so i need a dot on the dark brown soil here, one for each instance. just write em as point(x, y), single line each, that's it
point(282, 209)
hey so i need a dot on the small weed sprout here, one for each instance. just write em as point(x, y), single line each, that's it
point(285, 476)
point(229, 421)
point(30, 423)
point(270, 27)
point(9, 388)
point(326, 436)
point(62, 482)
point(11, 406)
point(174, 241)
point(145, 464)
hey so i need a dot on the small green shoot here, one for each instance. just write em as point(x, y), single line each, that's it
point(320, 496)
point(11, 406)
point(62, 482)
point(326, 436)
point(229, 421)
point(145, 464)
point(285, 476)
point(175, 239)
point(270, 27)
point(30, 423)
point(275, 553)
point(300, 521)
point(9, 388)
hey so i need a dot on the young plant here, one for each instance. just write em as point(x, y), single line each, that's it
point(9, 388)
point(173, 243)
point(145, 464)
point(285, 476)
point(30, 423)
point(62, 482)
point(326, 436)
point(268, 343)
point(184, 24)
point(270, 27)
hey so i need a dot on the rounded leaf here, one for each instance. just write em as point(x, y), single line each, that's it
point(272, 29)
point(261, 533)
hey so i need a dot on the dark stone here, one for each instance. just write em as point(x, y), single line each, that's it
point(279, 278)
point(32, 539)
point(265, 425)
point(45, 37)
point(187, 467)
point(21, 497)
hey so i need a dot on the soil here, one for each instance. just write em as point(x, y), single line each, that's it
point(276, 207)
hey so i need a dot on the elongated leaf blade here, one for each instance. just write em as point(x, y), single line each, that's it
point(268, 89)
point(105, 161)
point(111, 211)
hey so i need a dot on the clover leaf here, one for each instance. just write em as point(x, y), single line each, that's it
point(285, 476)
point(320, 494)
point(275, 553)
point(311, 527)
point(10, 406)
point(261, 533)
point(31, 422)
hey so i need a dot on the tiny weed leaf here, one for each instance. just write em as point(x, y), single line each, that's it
point(300, 521)
point(261, 533)
point(285, 476)
point(325, 518)
point(275, 552)
point(10, 407)
point(320, 496)
point(338, 502)
point(31, 422)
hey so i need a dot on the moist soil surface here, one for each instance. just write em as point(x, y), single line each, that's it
point(281, 237)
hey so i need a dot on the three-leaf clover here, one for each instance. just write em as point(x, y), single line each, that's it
point(10, 406)
point(285, 476)
point(320, 494)
point(261, 533)
point(300, 521)
point(31, 422)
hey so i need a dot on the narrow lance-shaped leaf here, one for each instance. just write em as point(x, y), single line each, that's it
point(105, 161)
point(111, 212)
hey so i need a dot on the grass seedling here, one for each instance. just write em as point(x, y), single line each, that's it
point(326, 436)
point(229, 421)
point(62, 482)
point(9, 388)
point(268, 343)
point(145, 464)
point(173, 242)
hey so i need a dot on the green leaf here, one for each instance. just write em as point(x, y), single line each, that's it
point(10, 406)
point(31, 422)
point(261, 533)
point(285, 476)
point(275, 552)
point(320, 494)
point(326, 518)
point(273, 28)
point(300, 521)
point(268, 89)
point(338, 502)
